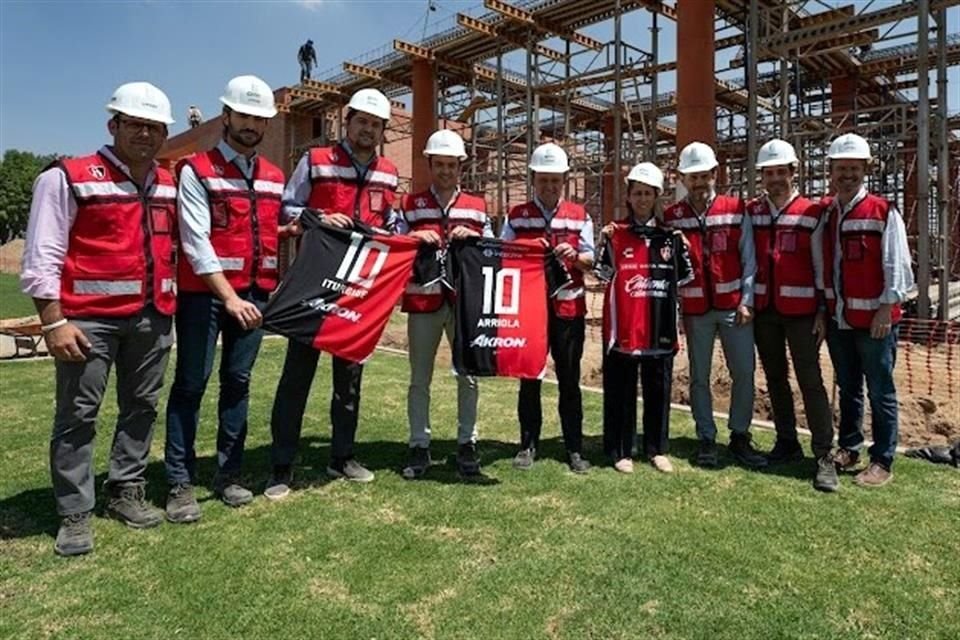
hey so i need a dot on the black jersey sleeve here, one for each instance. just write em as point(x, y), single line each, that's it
point(604, 268)
point(430, 265)
point(682, 256)
point(556, 274)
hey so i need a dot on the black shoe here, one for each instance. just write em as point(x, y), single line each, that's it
point(578, 464)
point(937, 455)
point(468, 460)
point(227, 487)
point(744, 453)
point(75, 536)
point(349, 469)
point(182, 505)
point(418, 461)
point(785, 451)
point(707, 454)
point(524, 459)
point(278, 486)
point(826, 478)
point(128, 504)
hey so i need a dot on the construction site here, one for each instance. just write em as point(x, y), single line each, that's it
point(509, 75)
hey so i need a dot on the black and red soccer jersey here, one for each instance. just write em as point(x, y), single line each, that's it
point(341, 289)
point(502, 292)
point(644, 265)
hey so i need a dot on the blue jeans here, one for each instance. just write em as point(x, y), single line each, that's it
point(737, 344)
point(201, 318)
point(857, 356)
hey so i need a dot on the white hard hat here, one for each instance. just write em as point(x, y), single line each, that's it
point(697, 157)
point(249, 95)
point(445, 143)
point(370, 101)
point(647, 173)
point(549, 158)
point(776, 153)
point(849, 146)
point(141, 100)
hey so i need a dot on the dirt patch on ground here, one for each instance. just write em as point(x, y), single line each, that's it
point(10, 256)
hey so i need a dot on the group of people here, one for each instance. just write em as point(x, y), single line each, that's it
point(119, 251)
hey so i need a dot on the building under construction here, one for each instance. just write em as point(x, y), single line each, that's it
point(509, 75)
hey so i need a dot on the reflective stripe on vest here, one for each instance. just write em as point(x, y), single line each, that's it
point(107, 287)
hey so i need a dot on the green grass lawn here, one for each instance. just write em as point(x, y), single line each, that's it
point(544, 554)
point(13, 304)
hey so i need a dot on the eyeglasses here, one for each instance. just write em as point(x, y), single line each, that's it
point(139, 126)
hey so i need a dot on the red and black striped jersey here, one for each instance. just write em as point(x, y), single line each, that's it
point(644, 265)
point(502, 292)
point(338, 294)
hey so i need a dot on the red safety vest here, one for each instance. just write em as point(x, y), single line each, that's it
point(714, 252)
point(529, 223)
point(243, 221)
point(861, 260)
point(337, 188)
point(785, 278)
point(122, 243)
point(423, 213)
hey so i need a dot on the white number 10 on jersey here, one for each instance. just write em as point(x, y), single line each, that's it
point(495, 287)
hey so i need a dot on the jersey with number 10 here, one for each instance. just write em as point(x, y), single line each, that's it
point(503, 289)
point(341, 289)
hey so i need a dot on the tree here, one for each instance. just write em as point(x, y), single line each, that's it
point(18, 170)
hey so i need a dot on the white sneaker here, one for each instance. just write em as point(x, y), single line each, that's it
point(624, 465)
point(662, 464)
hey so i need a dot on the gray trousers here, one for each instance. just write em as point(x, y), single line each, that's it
point(140, 347)
point(737, 344)
point(423, 335)
point(773, 333)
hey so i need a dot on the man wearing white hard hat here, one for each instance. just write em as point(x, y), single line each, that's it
point(786, 227)
point(719, 300)
point(644, 263)
point(99, 264)
point(438, 215)
point(567, 228)
point(866, 277)
point(346, 183)
point(228, 202)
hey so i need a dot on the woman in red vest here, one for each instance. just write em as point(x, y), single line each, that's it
point(99, 264)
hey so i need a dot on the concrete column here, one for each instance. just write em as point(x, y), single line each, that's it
point(424, 119)
point(843, 91)
point(696, 97)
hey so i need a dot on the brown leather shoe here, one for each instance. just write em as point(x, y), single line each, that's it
point(873, 476)
point(846, 460)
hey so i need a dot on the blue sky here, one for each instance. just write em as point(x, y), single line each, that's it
point(59, 61)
